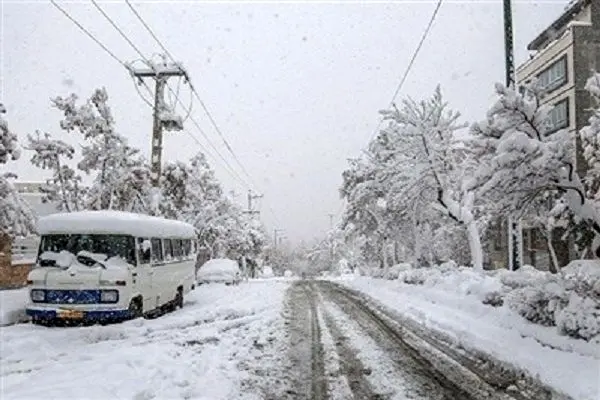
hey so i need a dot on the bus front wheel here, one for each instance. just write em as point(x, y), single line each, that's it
point(135, 309)
point(179, 298)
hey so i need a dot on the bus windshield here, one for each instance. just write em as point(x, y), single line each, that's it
point(122, 246)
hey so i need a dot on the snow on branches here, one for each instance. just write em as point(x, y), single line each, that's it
point(122, 176)
point(64, 187)
point(16, 217)
point(522, 156)
point(192, 193)
point(8, 140)
point(590, 139)
point(420, 164)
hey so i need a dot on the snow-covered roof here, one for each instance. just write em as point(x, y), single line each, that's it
point(114, 222)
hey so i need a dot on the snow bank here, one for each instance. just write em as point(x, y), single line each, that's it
point(570, 301)
point(12, 306)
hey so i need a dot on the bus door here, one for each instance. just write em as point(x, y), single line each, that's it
point(145, 273)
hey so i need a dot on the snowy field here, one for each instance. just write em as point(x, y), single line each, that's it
point(569, 365)
point(210, 349)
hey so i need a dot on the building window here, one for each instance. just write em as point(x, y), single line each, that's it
point(558, 117)
point(554, 76)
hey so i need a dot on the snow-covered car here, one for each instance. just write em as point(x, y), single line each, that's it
point(267, 272)
point(219, 271)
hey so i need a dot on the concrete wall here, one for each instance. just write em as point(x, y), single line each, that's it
point(11, 276)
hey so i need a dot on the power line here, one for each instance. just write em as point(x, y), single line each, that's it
point(124, 36)
point(177, 100)
point(218, 130)
point(110, 53)
point(412, 61)
point(204, 107)
point(109, 19)
point(99, 43)
point(235, 174)
point(139, 17)
point(229, 169)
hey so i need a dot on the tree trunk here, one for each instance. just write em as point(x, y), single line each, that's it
point(554, 266)
point(475, 245)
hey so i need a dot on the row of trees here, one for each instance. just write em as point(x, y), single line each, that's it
point(121, 180)
point(428, 183)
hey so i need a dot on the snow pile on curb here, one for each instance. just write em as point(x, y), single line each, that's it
point(569, 301)
point(12, 306)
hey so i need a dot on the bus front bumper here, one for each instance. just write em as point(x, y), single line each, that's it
point(49, 314)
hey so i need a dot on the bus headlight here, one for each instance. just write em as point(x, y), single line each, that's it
point(109, 296)
point(38, 295)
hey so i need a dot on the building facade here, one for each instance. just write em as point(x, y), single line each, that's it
point(562, 58)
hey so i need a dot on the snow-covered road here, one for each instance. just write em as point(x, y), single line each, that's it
point(221, 345)
point(267, 339)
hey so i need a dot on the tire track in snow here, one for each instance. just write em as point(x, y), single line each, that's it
point(371, 372)
point(337, 382)
point(351, 366)
point(307, 368)
point(374, 342)
point(319, 384)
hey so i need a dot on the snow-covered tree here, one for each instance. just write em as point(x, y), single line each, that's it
point(105, 153)
point(192, 193)
point(547, 214)
point(9, 149)
point(64, 187)
point(16, 217)
point(419, 163)
point(521, 157)
point(590, 140)
point(133, 186)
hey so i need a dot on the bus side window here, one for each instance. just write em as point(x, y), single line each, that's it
point(187, 248)
point(144, 247)
point(176, 248)
point(168, 247)
point(157, 251)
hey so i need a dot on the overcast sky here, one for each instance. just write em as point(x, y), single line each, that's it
point(295, 88)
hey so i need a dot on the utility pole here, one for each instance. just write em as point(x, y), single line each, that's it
point(508, 44)
point(163, 117)
point(331, 220)
point(515, 253)
point(275, 232)
point(252, 197)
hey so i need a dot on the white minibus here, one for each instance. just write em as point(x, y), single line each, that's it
point(105, 265)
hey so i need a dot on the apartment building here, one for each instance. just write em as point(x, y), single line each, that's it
point(562, 58)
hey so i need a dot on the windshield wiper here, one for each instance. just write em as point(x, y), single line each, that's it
point(89, 261)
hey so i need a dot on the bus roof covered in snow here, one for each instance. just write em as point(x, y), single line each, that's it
point(114, 222)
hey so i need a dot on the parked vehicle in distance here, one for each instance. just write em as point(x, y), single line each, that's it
point(106, 265)
point(219, 270)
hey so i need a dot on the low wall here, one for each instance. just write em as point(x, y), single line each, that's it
point(13, 276)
